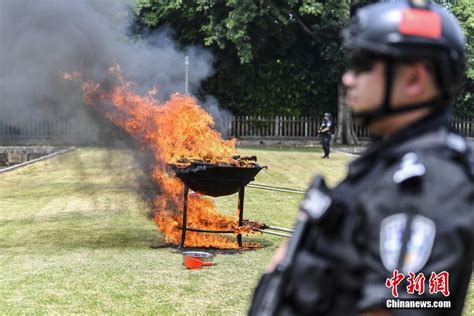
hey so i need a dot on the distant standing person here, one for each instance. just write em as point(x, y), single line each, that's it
point(325, 132)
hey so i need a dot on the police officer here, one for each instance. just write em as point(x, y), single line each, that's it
point(400, 225)
point(325, 131)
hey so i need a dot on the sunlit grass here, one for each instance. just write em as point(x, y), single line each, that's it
point(74, 237)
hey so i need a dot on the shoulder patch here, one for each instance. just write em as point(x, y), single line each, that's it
point(420, 244)
point(456, 143)
point(391, 239)
point(316, 203)
point(422, 232)
point(410, 167)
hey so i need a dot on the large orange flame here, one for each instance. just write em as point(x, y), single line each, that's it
point(175, 130)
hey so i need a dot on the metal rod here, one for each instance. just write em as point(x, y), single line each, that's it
point(208, 231)
point(271, 186)
point(276, 189)
point(273, 233)
point(185, 214)
point(288, 230)
point(241, 212)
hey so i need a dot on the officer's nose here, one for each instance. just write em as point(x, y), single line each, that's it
point(348, 78)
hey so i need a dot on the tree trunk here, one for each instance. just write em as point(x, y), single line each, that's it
point(346, 134)
point(345, 125)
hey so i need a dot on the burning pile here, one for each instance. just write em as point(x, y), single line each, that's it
point(177, 132)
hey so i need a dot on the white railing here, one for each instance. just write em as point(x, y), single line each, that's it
point(304, 127)
point(282, 127)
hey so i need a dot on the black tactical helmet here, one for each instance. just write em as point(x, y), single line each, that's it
point(413, 30)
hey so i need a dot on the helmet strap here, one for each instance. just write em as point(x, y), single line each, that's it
point(386, 110)
point(389, 74)
point(372, 116)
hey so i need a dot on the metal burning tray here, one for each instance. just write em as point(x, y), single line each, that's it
point(216, 180)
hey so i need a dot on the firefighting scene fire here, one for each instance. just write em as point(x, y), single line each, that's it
point(187, 153)
point(245, 157)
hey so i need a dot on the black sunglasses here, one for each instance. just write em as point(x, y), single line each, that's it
point(362, 61)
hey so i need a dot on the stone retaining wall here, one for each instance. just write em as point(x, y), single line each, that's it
point(18, 154)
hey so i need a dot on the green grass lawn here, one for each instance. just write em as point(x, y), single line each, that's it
point(74, 237)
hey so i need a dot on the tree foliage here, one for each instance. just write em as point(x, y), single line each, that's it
point(464, 11)
point(276, 57)
point(273, 57)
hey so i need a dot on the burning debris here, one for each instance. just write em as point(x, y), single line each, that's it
point(188, 153)
point(237, 161)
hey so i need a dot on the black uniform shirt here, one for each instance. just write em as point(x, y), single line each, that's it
point(421, 179)
point(326, 124)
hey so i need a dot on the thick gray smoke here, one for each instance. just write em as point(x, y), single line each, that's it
point(222, 117)
point(41, 39)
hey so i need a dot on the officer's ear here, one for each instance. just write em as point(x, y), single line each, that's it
point(417, 81)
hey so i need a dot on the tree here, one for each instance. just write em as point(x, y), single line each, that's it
point(345, 131)
point(280, 57)
point(272, 57)
point(464, 11)
point(345, 124)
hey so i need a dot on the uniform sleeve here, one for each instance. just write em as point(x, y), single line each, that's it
point(430, 221)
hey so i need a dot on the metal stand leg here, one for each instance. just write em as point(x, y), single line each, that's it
point(185, 214)
point(241, 212)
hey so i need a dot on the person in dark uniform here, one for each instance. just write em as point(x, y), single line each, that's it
point(325, 131)
point(400, 226)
